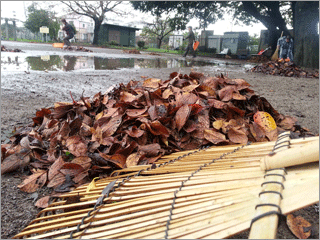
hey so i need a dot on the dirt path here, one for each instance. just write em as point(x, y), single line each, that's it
point(22, 94)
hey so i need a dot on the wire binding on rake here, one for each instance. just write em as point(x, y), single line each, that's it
point(110, 188)
point(191, 175)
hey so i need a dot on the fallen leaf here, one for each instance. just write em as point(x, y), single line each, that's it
point(30, 185)
point(76, 146)
point(182, 116)
point(237, 135)
point(265, 120)
point(152, 83)
point(43, 202)
point(297, 226)
point(214, 136)
point(133, 159)
point(55, 167)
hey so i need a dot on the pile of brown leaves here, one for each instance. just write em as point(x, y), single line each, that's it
point(4, 49)
point(133, 51)
point(78, 48)
point(136, 124)
point(283, 67)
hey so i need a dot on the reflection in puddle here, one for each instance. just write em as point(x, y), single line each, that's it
point(74, 63)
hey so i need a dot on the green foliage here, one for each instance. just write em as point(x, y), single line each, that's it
point(158, 31)
point(254, 40)
point(113, 43)
point(141, 44)
point(36, 19)
point(40, 17)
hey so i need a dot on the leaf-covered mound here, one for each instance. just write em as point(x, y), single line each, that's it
point(137, 123)
point(283, 67)
point(4, 49)
point(78, 48)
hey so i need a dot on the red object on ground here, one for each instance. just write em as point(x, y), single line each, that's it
point(260, 53)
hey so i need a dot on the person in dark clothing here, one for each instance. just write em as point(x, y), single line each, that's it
point(69, 31)
point(191, 38)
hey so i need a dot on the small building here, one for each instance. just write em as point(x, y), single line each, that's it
point(215, 42)
point(122, 35)
point(175, 41)
point(235, 41)
point(203, 40)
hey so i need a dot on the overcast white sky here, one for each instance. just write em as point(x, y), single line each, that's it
point(9, 8)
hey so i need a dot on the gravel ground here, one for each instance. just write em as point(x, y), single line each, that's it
point(22, 94)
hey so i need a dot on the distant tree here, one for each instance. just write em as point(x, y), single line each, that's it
point(95, 10)
point(254, 40)
point(36, 18)
point(159, 30)
point(40, 17)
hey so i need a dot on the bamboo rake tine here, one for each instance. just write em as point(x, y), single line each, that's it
point(148, 222)
point(52, 222)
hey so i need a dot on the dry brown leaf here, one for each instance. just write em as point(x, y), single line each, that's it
point(14, 162)
point(297, 226)
point(150, 150)
point(55, 167)
point(30, 185)
point(112, 126)
point(117, 159)
point(43, 202)
point(214, 136)
point(182, 116)
point(226, 93)
point(136, 112)
point(57, 180)
point(77, 146)
point(133, 159)
point(152, 83)
point(238, 135)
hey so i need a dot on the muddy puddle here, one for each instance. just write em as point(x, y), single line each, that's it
point(78, 63)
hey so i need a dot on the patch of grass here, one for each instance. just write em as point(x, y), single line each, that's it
point(28, 40)
point(160, 50)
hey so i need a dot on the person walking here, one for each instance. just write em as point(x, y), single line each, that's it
point(285, 44)
point(69, 31)
point(191, 38)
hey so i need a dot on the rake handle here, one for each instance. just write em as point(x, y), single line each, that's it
point(293, 156)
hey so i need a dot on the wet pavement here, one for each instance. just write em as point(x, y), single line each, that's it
point(44, 57)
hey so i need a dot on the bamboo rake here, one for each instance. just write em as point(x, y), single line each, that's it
point(216, 202)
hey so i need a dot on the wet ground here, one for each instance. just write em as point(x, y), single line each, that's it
point(42, 75)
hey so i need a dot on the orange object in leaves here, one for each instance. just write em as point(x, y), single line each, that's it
point(58, 45)
point(260, 53)
point(265, 120)
point(287, 60)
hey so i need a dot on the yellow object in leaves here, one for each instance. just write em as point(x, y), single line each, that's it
point(92, 185)
point(265, 120)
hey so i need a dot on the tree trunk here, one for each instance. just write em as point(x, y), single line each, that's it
point(271, 23)
point(306, 41)
point(159, 42)
point(97, 25)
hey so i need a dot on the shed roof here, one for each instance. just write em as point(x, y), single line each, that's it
point(108, 24)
